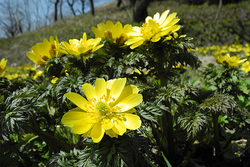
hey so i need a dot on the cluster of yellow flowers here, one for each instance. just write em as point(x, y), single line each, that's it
point(232, 49)
point(109, 106)
point(152, 30)
point(14, 72)
point(231, 61)
point(222, 55)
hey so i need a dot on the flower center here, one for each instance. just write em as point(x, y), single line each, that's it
point(101, 107)
point(143, 28)
point(108, 34)
point(52, 51)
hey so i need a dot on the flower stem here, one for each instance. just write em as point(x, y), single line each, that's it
point(216, 134)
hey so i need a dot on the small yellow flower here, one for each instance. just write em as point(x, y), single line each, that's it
point(38, 74)
point(54, 80)
point(66, 72)
point(153, 29)
point(230, 61)
point(180, 66)
point(246, 67)
point(115, 31)
point(80, 47)
point(3, 65)
point(107, 109)
point(41, 52)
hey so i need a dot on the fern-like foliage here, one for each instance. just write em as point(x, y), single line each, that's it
point(75, 158)
point(124, 151)
point(150, 110)
point(218, 103)
point(226, 80)
point(172, 93)
point(193, 121)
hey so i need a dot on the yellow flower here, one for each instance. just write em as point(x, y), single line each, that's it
point(82, 47)
point(41, 52)
point(108, 109)
point(153, 29)
point(38, 74)
point(230, 61)
point(111, 30)
point(54, 80)
point(246, 66)
point(3, 65)
point(180, 66)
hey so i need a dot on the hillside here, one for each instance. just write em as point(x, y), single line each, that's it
point(232, 26)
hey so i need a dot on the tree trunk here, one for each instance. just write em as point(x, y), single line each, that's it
point(71, 6)
point(140, 10)
point(61, 15)
point(83, 5)
point(218, 12)
point(92, 7)
point(55, 16)
point(119, 2)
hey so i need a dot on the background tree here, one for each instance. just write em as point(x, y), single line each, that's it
point(55, 2)
point(92, 7)
point(61, 11)
point(11, 23)
point(71, 5)
point(139, 9)
point(83, 5)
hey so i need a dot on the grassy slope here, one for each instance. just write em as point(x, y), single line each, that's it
point(194, 19)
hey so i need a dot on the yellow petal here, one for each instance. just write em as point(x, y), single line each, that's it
point(89, 91)
point(148, 18)
point(76, 99)
point(156, 16)
point(117, 87)
point(35, 58)
point(169, 19)
point(107, 124)
point(128, 90)
point(100, 87)
point(109, 25)
point(132, 121)
point(97, 32)
point(117, 30)
point(71, 117)
point(163, 17)
point(156, 38)
point(110, 83)
point(97, 132)
point(119, 127)
point(83, 126)
point(127, 28)
point(130, 102)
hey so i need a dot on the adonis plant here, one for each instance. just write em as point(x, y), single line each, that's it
point(124, 98)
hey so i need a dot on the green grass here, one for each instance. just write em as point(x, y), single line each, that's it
point(196, 22)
